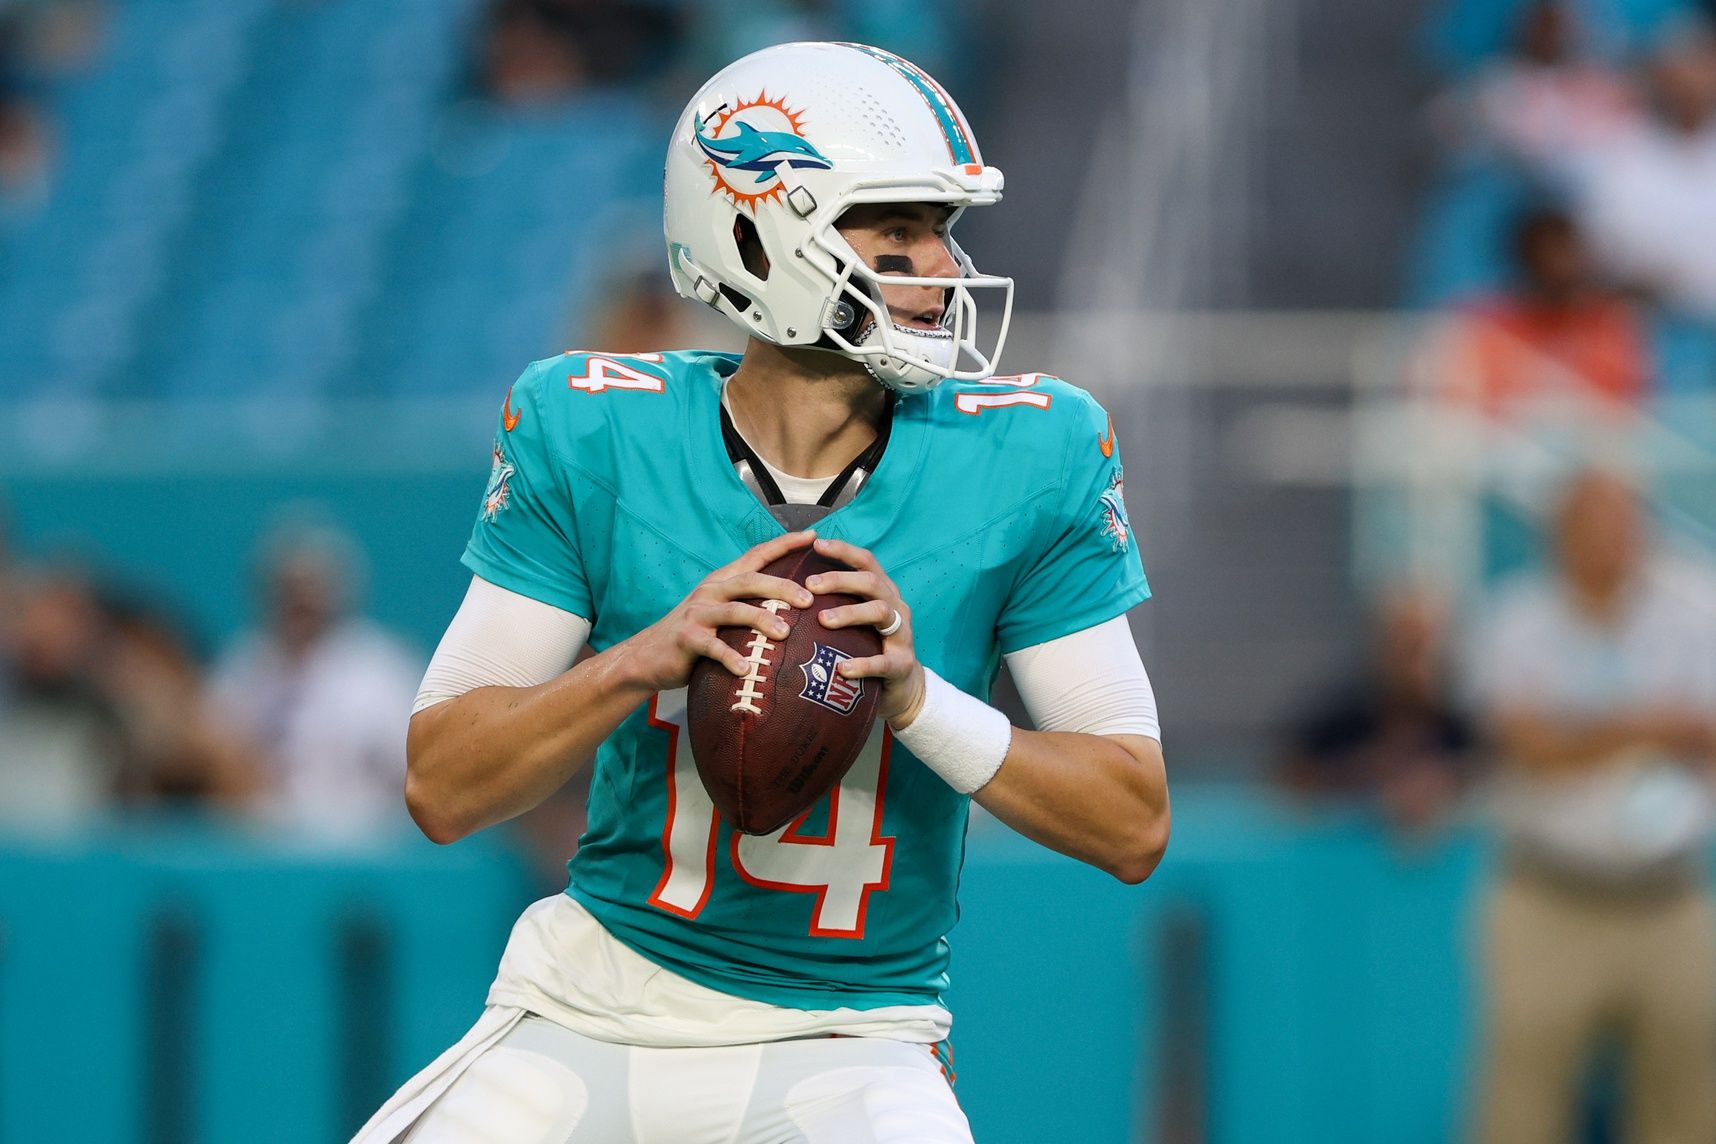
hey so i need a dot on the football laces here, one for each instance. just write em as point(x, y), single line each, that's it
point(757, 660)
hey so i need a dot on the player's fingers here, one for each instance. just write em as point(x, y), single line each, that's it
point(697, 640)
point(866, 585)
point(756, 586)
point(876, 613)
point(864, 667)
point(848, 554)
point(766, 553)
point(893, 664)
point(735, 614)
point(703, 642)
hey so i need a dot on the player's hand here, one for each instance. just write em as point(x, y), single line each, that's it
point(897, 667)
point(663, 654)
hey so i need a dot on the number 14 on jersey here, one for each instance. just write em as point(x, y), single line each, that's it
point(842, 867)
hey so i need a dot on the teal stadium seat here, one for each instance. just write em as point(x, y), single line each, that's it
point(508, 242)
point(277, 199)
point(80, 273)
point(302, 198)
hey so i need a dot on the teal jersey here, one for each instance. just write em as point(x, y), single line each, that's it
point(997, 510)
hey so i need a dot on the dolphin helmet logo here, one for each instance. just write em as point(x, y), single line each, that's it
point(746, 145)
point(761, 151)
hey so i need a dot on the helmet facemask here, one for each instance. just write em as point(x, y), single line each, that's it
point(857, 322)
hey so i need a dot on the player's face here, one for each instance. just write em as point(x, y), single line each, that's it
point(908, 239)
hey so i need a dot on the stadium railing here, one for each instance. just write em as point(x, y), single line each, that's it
point(1281, 978)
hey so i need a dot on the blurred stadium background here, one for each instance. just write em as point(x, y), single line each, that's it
point(1364, 281)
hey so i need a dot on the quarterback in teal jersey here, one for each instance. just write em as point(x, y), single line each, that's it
point(784, 987)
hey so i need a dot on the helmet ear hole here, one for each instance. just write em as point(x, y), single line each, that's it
point(750, 245)
point(736, 299)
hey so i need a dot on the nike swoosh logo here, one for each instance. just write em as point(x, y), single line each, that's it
point(509, 419)
point(1106, 444)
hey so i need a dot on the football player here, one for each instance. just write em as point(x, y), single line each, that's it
point(693, 983)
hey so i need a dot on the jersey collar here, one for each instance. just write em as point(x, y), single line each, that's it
point(862, 521)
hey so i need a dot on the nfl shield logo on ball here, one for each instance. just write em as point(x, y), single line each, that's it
point(825, 686)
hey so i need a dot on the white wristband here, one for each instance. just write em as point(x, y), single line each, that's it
point(958, 736)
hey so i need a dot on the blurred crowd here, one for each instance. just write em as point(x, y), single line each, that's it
point(1565, 697)
point(108, 707)
point(1573, 237)
point(1579, 699)
point(1577, 218)
point(1413, 728)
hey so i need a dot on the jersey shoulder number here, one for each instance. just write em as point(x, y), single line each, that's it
point(596, 372)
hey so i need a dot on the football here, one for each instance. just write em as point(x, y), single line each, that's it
point(771, 743)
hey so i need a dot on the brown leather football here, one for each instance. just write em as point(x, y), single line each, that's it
point(770, 744)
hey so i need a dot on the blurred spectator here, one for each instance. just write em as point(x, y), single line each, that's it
point(539, 52)
point(1547, 98)
point(59, 739)
point(644, 315)
point(1395, 739)
point(23, 149)
point(1599, 682)
point(528, 57)
point(102, 705)
point(40, 41)
point(1557, 335)
point(173, 750)
point(11, 595)
point(1647, 197)
point(323, 693)
point(24, 133)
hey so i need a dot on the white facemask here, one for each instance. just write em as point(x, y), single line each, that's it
point(937, 347)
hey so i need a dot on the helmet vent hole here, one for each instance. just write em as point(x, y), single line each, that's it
point(751, 247)
point(883, 124)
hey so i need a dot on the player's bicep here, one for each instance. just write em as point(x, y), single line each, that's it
point(525, 537)
point(1092, 682)
point(500, 638)
point(1086, 568)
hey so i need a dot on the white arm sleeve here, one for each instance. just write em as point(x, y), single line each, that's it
point(500, 638)
point(1091, 682)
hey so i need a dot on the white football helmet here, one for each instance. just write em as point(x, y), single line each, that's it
point(787, 139)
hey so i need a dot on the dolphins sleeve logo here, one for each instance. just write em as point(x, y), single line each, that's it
point(1116, 528)
point(498, 494)
point(746, 145)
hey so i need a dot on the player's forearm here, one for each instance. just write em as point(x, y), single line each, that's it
point(1544, 747)
point(493, 753)
point(1101, 799)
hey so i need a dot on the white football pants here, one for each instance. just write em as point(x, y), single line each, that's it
point(544, 1084)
